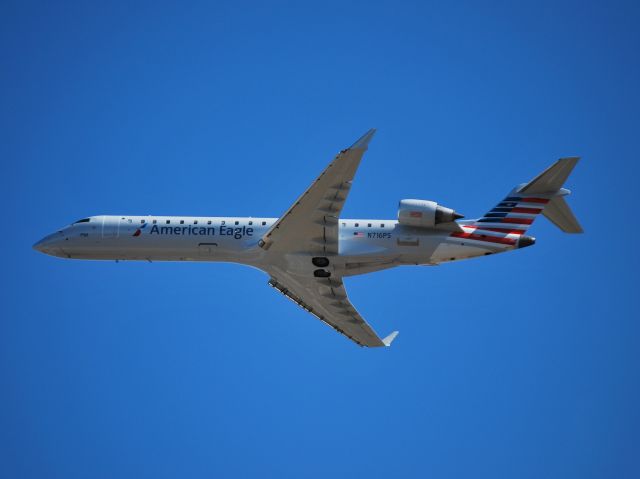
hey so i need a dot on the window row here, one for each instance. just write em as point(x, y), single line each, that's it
point(357, 225)
point(195, 222)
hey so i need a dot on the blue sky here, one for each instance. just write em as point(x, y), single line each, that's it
point(520, 365)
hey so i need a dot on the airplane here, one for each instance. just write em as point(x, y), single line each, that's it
point(310, 249)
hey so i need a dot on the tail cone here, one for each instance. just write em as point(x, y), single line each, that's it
point(525, 241)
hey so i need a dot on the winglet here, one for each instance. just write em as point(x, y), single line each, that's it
point(389, 339)
point(364, 140)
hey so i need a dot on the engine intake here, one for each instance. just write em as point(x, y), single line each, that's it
point(424, 213)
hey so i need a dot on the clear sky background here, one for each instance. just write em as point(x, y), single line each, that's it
point(521, 365)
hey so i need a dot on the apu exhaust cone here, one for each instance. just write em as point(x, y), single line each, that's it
point(525, 241)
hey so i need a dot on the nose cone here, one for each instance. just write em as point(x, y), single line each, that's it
point(50, 244)
point(39, 245)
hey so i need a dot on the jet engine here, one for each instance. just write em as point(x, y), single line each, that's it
point(424, 214)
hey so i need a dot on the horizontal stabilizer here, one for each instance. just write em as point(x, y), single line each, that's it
point(551, 179)
point(558, 212)
point(389, 339)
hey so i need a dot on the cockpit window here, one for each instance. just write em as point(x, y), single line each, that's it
point(84, 220)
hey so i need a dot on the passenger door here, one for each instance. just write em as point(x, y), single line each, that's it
point(110, 227)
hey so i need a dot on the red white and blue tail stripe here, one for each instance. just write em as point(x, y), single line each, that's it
point(507, 222)
point(514, 214)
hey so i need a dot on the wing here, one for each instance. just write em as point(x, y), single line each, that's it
point(310, 225)
point(326, 298)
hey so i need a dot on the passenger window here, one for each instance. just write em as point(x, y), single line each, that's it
point(237, 223)
point(264, 223)
point(168, 222)
point(368, 225)
point(129, 220)
point(357, 224)
point(381, 225)
point(250, 223)
point(209, 222)
point(155, 221)
point(181, 222)
point(195, 222)
point(141, 221)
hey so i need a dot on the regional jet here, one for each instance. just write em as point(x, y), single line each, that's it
point(310, 249)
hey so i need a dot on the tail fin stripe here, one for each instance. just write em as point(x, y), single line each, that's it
point(532, 211)
point(543, 201)
point(542, 195)
point(484, 232)
point(501, 210)
point(498, 217)
point(517, 209)
point(508, 231)
point(525, 199)
point(489, 220)
point(521, 215)
point(519, 221)
point(486, 239)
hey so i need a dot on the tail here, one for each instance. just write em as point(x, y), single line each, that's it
point(549, 183)
point(510, 219)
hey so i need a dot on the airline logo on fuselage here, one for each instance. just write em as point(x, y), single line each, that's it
point(237, 232)
point(139, 230)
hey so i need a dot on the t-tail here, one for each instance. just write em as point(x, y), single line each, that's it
point(510, 219)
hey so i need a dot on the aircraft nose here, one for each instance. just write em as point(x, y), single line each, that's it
point(49, 243)
point(39, 245)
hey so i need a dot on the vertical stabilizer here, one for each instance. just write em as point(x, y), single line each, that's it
point(542, 195)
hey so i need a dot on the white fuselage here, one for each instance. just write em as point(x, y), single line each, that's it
point(364, 245)
point(308, 251)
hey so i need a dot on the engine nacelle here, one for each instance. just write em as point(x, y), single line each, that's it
point(424, 214)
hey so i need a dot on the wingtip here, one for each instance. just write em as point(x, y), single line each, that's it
point(389, 339)
point(364, 140)
point(572, 160)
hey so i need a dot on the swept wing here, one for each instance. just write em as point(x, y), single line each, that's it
point(310, 227)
